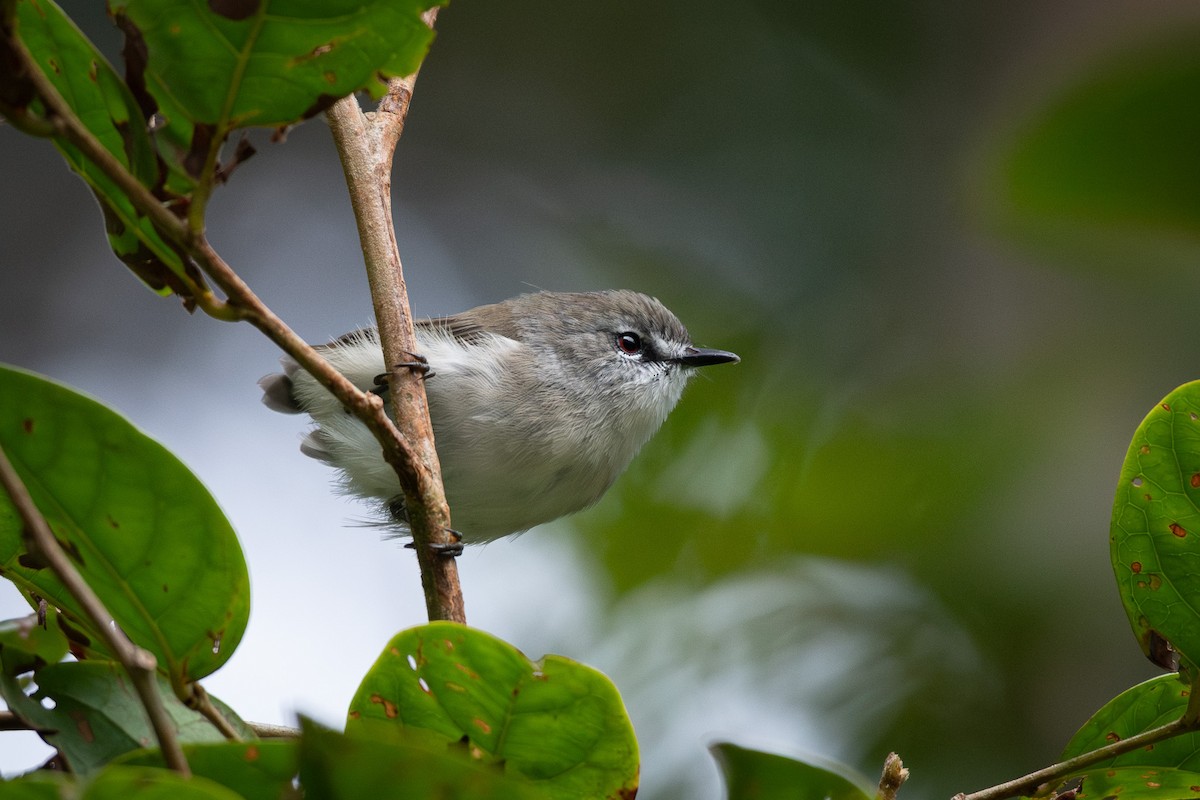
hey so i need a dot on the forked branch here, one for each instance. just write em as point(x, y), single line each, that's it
point(367, 143)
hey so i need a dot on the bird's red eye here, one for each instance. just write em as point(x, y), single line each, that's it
point(629, 343)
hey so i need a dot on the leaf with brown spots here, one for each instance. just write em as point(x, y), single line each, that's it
point(1173, 763)
point(132, 518)
point(556, 722)
point(1155, 511)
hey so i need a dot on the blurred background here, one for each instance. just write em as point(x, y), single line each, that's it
point(954, 244)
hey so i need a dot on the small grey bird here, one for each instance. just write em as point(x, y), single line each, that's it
point(538, 403)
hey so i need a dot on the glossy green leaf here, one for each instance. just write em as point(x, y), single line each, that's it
point(1109, 163)
point(555, 721)
point(256, 770)
point(338, 767)
point(1155, 535)
point(752, 774)
point(139, 526)
point(1146, 706)
point(1136, 783)
point(107, 108)
point(90, 712)
point(239, 64)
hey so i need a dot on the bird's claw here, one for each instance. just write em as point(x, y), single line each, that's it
point(417, 363)
point(450, 549)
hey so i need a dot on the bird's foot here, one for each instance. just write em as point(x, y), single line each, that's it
point(450, 549)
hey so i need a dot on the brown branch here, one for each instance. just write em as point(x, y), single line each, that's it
point(266, 730)
point(417, 465)
point(202, 703)
point(366, 144)
point(139, 664)
point(242, 303)
point(1029, 783)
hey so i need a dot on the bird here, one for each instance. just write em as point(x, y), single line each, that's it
point(538, 404)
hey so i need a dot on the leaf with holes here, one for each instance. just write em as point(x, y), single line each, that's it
point(1155, 535)
point(138, 525)
point(557, 722)
point(91, 713)
point(1144, 707)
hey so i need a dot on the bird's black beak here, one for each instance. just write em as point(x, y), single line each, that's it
point(703, 357)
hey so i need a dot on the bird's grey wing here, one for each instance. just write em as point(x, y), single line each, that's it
point(471, 327)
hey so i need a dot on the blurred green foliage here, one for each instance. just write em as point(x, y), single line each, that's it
point(954, 245)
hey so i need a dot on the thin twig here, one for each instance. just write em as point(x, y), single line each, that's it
point(140, 664)
point(1029, 783)
point(242, 303)
point(266, 730)
point(201, 702)
point(418, 468)
point(366, 144)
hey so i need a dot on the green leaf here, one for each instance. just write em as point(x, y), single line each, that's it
point(90, 712)
point(41, 785)
point(555, 721)
point(148, 783)
point(257, 770)
point(138, 525)
point(28, 645)
point(1137, 783)
point(1108, 166)
point(1146, 706)
point(107, 108)
point(270, 64)
point(752, 774)
point(116, 783)
point(338, 767)
point(1155, 536)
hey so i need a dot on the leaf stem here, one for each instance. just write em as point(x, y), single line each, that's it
point(1029, 783)
point(366, 144)
point(139, 664)
point(200, 701)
